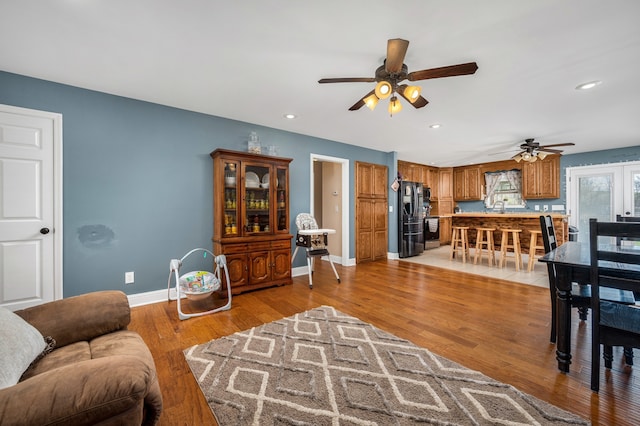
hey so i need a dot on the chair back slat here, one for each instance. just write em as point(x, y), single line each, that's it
point(548, 233)
point(621, 257)
point(620, 218)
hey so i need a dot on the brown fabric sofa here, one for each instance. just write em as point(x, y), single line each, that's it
point(99, 373)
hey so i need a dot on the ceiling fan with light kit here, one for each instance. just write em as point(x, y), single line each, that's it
point(393, 72)
point(530, 150)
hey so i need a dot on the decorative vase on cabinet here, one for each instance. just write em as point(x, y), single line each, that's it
point(251, 218)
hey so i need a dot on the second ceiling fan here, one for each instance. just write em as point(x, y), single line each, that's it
point(532, 150)
point(392, 72)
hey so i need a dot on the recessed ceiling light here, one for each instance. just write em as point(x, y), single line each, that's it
point(435, 126)
point(589, 85)
point(290, 116)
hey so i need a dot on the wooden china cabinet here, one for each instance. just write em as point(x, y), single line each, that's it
point(251, 218)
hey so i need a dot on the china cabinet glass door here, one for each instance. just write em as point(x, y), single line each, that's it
point(231, 204)
point(257, 199)
point(282, 211)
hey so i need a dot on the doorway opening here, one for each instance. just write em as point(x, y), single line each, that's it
point(329, 201)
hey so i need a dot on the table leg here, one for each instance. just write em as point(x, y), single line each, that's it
point(563, 309)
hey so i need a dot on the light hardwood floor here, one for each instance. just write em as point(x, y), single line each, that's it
point(497, 327)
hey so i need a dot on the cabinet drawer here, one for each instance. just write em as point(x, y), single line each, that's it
point(235, 248)
point(265, 245)
point(282, 244)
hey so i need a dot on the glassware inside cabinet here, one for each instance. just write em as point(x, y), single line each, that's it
point(230, 199)
point(257, 192)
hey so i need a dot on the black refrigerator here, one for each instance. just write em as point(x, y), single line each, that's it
point(410, 219)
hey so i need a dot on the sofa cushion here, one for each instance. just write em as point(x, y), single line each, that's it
point(21, 345)
point(123, 342)
point(66, 355)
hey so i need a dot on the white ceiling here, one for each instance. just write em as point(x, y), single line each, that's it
point(256, 60)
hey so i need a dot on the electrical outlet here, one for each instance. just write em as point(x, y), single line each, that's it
point(129, 277)
point(545, 208)
point(536, 207)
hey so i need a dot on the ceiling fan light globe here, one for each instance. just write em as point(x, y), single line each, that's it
point(526, 156)
point(518, 158)
point(542, 155)
point(394, 105)
point(371, 101)
point(383, 89)
point(412, 93)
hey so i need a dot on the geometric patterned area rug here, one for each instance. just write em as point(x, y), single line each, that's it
point(322, 367)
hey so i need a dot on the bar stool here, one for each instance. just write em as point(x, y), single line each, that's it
point(484, 238)
point(533, 247)
point(515, 245)
point(459, 241)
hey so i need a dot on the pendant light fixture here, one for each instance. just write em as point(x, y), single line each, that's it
point(410, 93)
point(394, 105)
point(383, 89)
point(371, 101)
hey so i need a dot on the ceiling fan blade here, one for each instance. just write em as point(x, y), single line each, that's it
point(450, 71)
point(419, 103)
point(551, 151)
point(558, 144)
point(361, 103)
point(348, 80)
point(396, 50)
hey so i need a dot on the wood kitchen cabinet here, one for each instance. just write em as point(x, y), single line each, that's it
point(541, 179)
point(443, 202)
point(251, 218)
point(445, 229)
point(413, 172)
point(372, 215)
point(371, 180)
point(466, 183)
point(431, 179)
point(371, 230)
point(429, 176)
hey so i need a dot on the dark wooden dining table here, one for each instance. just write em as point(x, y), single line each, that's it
point(572, 263)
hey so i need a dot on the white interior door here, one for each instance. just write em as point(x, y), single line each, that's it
point(602, 192)
point(631, 203)
point(30, 207)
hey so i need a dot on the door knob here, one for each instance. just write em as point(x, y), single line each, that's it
point(627, 213)
point(44, 231)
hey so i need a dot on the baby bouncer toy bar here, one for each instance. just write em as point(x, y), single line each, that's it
point(196, 285)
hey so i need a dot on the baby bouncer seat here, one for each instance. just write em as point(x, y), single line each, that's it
point(197, 285)
point(315, 242)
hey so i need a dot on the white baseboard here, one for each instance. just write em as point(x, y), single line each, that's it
point(141, 299)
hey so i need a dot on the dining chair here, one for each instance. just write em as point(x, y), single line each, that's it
point(580, 294)
point(614, 324)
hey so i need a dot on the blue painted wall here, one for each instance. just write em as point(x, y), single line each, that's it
point(619, 155)
point(137, 180)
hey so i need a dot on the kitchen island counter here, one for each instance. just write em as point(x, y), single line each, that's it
point(523, 221)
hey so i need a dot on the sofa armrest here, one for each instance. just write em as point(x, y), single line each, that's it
point(87, 392)
point(80, 317)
